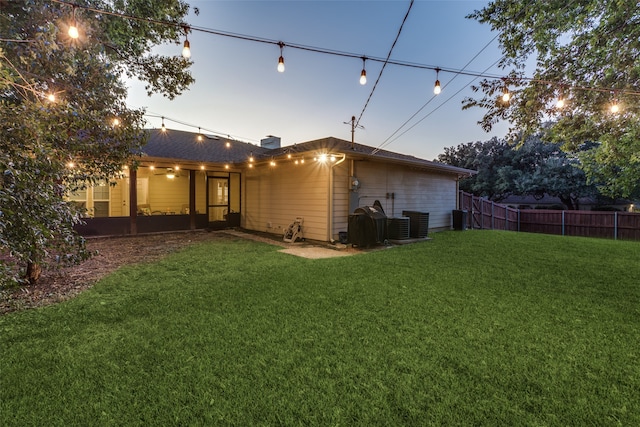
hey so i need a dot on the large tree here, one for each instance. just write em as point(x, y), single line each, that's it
point(532, 168)
point(59, 99)
point(586, 52)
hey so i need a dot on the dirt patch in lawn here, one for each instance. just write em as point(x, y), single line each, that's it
point(114, 252)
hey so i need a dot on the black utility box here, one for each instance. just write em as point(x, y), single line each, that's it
point(459, 220)
point(418, 223)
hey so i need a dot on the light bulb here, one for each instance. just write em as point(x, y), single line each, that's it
point(560, 103)
point(116, 121)
point(73, 31)
point(506, 96)
point(186, 50)
point(163, 128)
point(437, 89)
point(281, 64)
point(51, 97)
point(363, 77)
point(615, 107)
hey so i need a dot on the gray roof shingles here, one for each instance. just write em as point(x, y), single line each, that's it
point(184, 145)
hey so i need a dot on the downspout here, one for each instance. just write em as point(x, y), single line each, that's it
point(330, 212)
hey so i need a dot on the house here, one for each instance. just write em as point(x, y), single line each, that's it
point(186, 180)
point(554, 203)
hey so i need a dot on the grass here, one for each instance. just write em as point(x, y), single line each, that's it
point(472, 328)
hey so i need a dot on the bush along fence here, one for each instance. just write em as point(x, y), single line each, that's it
point(482, 213)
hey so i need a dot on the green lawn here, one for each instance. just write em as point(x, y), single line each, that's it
point(471, 328)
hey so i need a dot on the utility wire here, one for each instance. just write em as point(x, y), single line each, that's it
point(429, 113)
point(384, 64)
point(384, 143)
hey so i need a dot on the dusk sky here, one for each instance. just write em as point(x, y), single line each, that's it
point(238, 91)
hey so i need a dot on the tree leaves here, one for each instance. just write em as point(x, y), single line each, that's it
point(39, 137)
point(587, 51)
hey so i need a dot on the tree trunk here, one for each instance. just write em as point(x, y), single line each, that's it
point(569, 202)
point(33, 272)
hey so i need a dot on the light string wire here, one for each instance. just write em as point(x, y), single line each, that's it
point(484, 74)
point(211, 131)
point(384, 64)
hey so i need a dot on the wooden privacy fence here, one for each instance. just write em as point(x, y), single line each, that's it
point(485, 214)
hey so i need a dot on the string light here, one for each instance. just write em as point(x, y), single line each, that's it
point(186, 50)
point(116, 121)
point(251, 157)
point(163, 128)
point(202, 167)
point(437, 89)
point(615, 107)
point(199, 137)
point(363, 74)
point(281, 59)
point(560, 103)
point(317, 49)
point(51, 97)
point(73, 28)
point(228, 144)
point(506, 96)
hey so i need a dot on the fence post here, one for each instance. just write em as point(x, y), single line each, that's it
point(493, 227)
point(563, 223)
point(481, 214)
point(615, 225)
point(518, 219)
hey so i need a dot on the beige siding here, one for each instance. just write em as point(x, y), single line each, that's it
point(117, 201)
point(340, 199)
point(275, 196)
point(411, 189)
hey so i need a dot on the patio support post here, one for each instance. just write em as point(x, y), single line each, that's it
point(192, 199)
point(133, 201)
